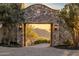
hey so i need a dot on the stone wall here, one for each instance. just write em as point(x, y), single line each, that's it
point(39, 13)
point(8, 34)
point(1, 36)
point(64, 32)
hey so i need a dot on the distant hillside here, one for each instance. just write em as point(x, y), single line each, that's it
point(42, 33)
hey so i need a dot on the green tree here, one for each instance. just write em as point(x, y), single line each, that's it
point(10, 15)
point(70, 13)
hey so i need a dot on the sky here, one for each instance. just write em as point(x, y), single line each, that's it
point(51, 5)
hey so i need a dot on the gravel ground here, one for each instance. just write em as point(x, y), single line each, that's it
point(36, 51)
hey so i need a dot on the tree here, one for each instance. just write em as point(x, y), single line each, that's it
point(30, 34)
point(70, 13)
point(10, 15)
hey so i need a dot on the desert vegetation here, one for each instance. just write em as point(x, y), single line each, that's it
point(35, 37)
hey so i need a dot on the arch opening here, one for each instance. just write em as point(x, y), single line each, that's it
point(38, 35)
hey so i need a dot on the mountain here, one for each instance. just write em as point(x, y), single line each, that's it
point(42, 33)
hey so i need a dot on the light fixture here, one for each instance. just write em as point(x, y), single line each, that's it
point(0, 25)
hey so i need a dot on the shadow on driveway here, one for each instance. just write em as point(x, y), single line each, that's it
point(66, 47)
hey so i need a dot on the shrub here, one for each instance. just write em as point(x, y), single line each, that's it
point(41, 40)
point(69, 42)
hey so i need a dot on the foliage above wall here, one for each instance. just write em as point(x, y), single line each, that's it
point(10, 13)
point(70, 13)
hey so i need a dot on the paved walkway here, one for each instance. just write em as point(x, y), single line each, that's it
point(37, 51)
point(44, 45)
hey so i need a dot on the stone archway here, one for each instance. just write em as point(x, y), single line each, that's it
point(39, 13)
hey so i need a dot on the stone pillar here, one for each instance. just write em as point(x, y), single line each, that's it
point(20, 34)
point(23, 35)
point(55, 35)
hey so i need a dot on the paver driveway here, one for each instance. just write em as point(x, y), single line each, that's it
point(33, 51)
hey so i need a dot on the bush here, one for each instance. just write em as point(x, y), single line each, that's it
point(41, 40)
point(69, 42)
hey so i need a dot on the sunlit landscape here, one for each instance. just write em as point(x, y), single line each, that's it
point(42, 26)
point(38, 33)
